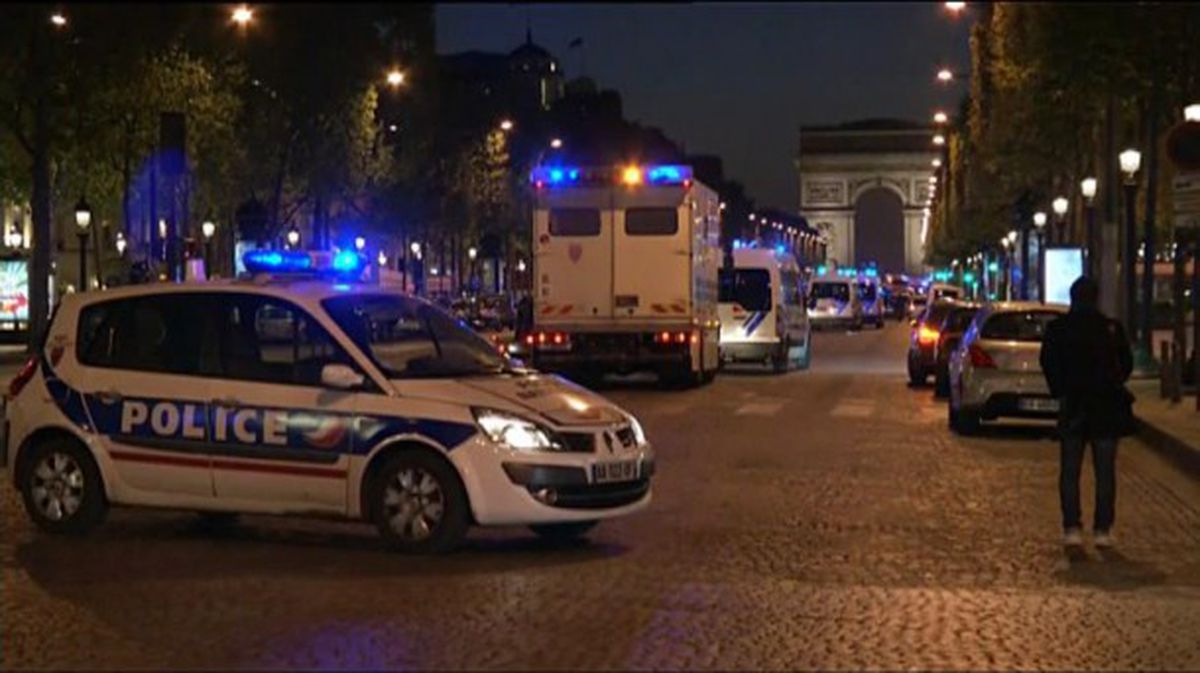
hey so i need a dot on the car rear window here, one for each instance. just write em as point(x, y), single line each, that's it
point(749, 288)
point(651, 221)
point(574, 222)
point(959, 319)
point(1018, 325)
point(838, 291)
point(936, 313)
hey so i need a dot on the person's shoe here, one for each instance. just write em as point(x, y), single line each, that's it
point(1073, 537)
point(1103, 540)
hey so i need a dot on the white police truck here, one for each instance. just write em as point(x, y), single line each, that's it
point(289, 394)
point(763, 312)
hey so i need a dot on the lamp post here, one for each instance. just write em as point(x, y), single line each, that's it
point(1087, 187)
point(1039, 223)
point(293, 237)
point(121, 244)
point(207, 229)
point(1130, 160)
point(473, 254)
point(83, 220)
point(359, 243)
point(1058, 234)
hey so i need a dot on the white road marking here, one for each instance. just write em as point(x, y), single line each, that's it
point(852, 410)
point(759, 409)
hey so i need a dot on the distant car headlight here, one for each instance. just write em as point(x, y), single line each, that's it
point(514, 432)
point(638, 433)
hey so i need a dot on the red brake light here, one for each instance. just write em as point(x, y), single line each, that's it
point(23, 377)
point(926, 334)
point(979, 358)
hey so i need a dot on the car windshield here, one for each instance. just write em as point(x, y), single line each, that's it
point(866, 291)
point(1018, 325)
point(408, 338)
point(838, 291)
point(959, 319)
point(749, 288)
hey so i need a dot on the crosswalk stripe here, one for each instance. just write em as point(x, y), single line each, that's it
point(759, 409)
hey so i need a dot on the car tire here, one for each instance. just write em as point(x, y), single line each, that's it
point(941, 386)
point(563, 532)
point(916, 376)
point(419, 479)
point(62, 488)
point(781, 359)
point(965, 423)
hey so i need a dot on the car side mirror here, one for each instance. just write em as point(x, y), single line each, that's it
point(341, 377)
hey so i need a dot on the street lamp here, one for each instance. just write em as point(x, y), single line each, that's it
point(207, 229)
point(1191, 113)
point(359, 243)
point(1059, 206)
point(1087, 187)
point(395, 77)
point(936, 163)
point(293, 237)
point(83, 220)
point(956, 7)
point(1130, 160)
point(382, 259)
point(416, 249)
point(557, 143)
point(58, 19)
point(940, 117)
point(121, 243)
point(506, 125)
point(1039, 222)
point(242, 15)
point(939, 139)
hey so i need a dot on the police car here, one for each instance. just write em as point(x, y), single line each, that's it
point(290, 394)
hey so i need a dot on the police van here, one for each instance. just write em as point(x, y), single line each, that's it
point(834, 300)
point(870, 295)
point(762, 310)
point(290, 394)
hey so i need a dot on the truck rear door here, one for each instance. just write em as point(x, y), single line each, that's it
point(573, 239)
point(652, 264)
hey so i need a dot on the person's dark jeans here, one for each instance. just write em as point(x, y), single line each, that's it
point(1104, 461)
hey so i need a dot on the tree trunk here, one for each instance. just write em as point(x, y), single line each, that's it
point(41, 243)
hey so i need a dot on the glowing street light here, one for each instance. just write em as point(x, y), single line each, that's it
point(937, 163)
point(955, 7)
point(472, 253)
point(242, 15)
point(557, 143)
point(395, 77)
point(359, 243)
point(506, 125)
point(208, 229)
point(1039, 219)
point(382, 259)
point(58, 19)
point(121, 243)
point(293, 237)
point(940, 117)
point(1131, 160)
point(945, 75)
point(939, 139)
point(1191, 113)
point(1087, 187)
point(1059, 206)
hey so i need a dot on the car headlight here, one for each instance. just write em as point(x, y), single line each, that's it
point(514, 432)
point(639, 434)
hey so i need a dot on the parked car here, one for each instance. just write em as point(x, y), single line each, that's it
point(995, 371)
point(950, 333)
point(923, 340)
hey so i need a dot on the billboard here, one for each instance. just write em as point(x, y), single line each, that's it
point(14, 290)
point(1061, 268)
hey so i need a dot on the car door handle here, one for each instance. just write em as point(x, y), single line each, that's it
point(109, 397)
point(225, 402)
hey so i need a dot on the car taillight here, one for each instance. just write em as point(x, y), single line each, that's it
point(927, 335)
point(23, 377)
point(678, 338)
point(979, 358)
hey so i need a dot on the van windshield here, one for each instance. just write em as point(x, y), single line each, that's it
point(749, 288)
point(838, 291)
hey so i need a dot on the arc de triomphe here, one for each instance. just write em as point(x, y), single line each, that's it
point(865, 185)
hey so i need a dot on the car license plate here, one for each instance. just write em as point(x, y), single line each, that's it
point(1037, 404)
point(606, 473)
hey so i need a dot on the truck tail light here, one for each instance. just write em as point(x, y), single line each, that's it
point(980, 358)
point(677, 338)
point(550, 340)
point(23, 377)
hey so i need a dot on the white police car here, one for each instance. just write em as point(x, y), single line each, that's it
point(293, 395)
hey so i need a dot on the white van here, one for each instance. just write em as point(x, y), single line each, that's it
point(834, 302)
point(872, 299)
point(762, 310)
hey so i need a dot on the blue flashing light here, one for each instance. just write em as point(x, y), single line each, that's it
point(275, 260)
point(346, 261)
point(821, 270)
point(872, 272)
point(668, 175)
point(779, 249)
point(738, 244)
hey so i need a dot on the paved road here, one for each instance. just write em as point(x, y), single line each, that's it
point(822, 519)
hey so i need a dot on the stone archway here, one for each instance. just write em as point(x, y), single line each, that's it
point(879, 229)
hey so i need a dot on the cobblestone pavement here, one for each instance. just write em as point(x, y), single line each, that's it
point(823, 519)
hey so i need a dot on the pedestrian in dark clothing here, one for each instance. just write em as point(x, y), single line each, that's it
point(1086, 359)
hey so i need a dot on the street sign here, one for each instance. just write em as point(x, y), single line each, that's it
point(1185, 193)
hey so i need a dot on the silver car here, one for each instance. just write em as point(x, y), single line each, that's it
point(995, 371)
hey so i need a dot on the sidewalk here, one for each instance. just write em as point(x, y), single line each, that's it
point(1171, 429)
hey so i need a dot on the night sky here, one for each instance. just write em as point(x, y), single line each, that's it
point(737, 80)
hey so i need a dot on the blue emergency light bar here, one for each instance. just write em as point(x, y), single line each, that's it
point(569, 176)
point(343, 263)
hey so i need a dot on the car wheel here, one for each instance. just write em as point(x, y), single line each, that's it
point(418, 504)
point(963, 422)
point(941, 385)
point(781, 359)
point(62, 488)
point(916, 376)
point(563, 532)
